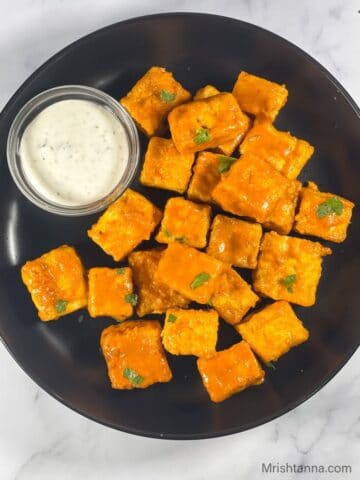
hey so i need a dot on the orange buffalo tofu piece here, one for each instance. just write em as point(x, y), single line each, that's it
point(152, 98)
point(251, 188)
point(153, 295)
point(233, 297)
point(228, 147)
point(110, 292)
point(281, 219)
point(206, 123)
point(192, 273)
point(164, 167)
point(235, 241)
point(323, 215)
point(273, 331)
point(185, 222)
point(259, 96)
point(230, 371)
point(56, 283)
point(289, 268)
point(125, 224)
point(190, 332)
point(134, 355)
point(206, 176)
point(286, 153)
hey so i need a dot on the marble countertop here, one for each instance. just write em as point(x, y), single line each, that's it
point(39, 437)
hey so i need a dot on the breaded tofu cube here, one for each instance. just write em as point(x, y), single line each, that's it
point(323, 215)
point(153, 295)
point(286, 153)
point(230, 371)
point(134, 354)
point(235, 241)
point(207, 123)
point(56, 283)
point(251, 188)
point(273, 331)
point(259, 96)
point(125, 224)
point(233, 297)
point(152, 98)
point(190, 332)
point(281, 219)
point(205, 177)
point(110, 292)
point(164, 167)
point(229, 147)
point(289, 268)
point(185, 222)
point(192, 273)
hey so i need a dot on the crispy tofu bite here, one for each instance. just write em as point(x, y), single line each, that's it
point(164, 167)
point(207, 123)
point(273, 331)
point(206, 176)
point(230, 371)
point(289, 268)
point(192, 273)
point(111, 292)
point(323, 215)
point(235, 241)
point(125, 224)
point(286, 153)
point(152, 98)
point(233, 297)
point(251, 188)
point(190, 332)
point(153, 295)
point(56, 283)
point(134, 355)
point(281, 219)
point(228, 147)
point(185, 222)
point(259, 96)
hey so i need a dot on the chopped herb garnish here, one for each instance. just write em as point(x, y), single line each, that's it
point(131, 298)
point(225, 163)
point(210, 303)
point(202, 135)
point(271, 365)
point(120, 271)
point(331, 205)
point(199, 280)
point(81, 318)
point(288, 282)
point(172, 318)
point(60, 306)
point(180, 239)
point(166, 232)
point(131, 375)
point(167, 97)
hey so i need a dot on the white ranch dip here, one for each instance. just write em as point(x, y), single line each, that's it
point(74, 152)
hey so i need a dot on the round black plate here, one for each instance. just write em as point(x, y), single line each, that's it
point(63, 357)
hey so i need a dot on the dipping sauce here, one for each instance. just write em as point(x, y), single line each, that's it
point(74, 152)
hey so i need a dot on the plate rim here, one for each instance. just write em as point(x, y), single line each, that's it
point(28, 370)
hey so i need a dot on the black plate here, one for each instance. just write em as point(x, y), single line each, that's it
point(63, 357)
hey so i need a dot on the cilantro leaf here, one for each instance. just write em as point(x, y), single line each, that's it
point(202, 135)
point(120, 271)
point(199, 280)
point(61, 305)
point(180, 239)
point(288, 282)
point(225, 163)
point(331, 205)
point(172, 318)
point(271, 365)
point(131, 298)
point(166, 232)
point(167, 97)
point(132, 376)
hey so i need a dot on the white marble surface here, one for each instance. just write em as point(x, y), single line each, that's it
point(40, 438)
